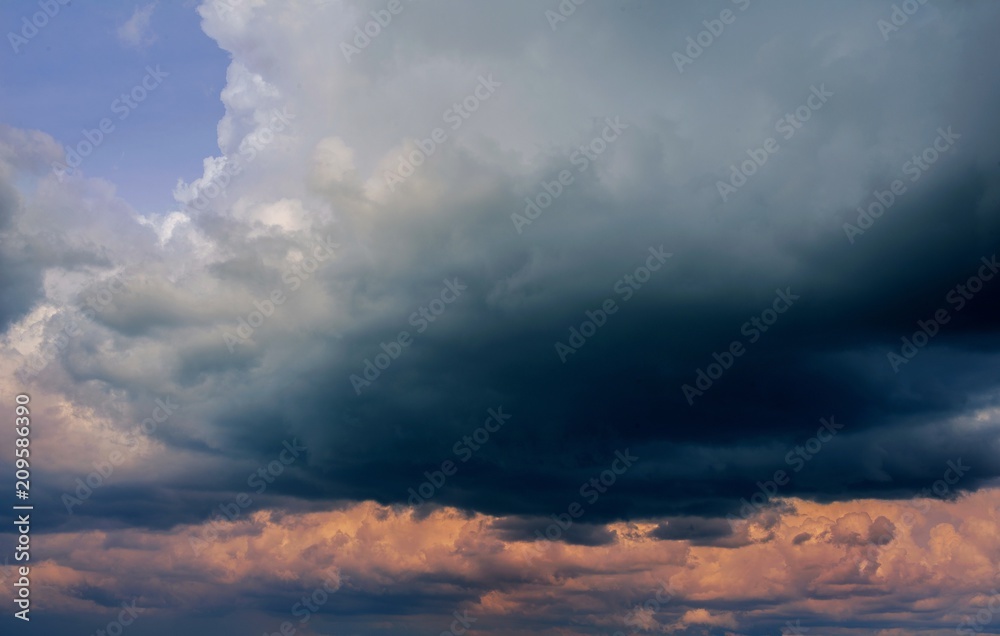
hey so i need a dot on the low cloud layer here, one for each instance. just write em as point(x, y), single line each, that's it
point(807, 567)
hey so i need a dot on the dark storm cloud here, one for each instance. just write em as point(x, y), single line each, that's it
point(696, 530)
point(780, 236)
point(20, 286)
point(527, 529)
point(20, 275)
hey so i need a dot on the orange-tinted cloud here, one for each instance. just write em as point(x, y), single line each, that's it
point(827, 565)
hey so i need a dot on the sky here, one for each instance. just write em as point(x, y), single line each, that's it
point(344, 317)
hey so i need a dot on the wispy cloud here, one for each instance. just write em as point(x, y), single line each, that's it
point(137, 33)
